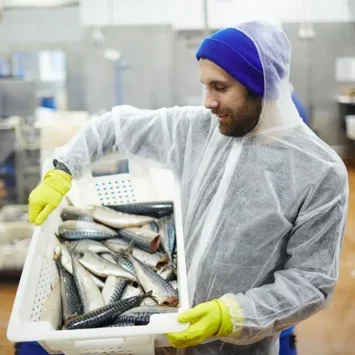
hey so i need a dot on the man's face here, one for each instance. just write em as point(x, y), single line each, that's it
point(238, 112)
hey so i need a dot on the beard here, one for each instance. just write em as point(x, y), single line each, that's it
point(240, 122)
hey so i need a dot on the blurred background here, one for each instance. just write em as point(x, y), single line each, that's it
point(63, 62)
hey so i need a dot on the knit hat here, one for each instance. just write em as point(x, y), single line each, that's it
point(237, 54)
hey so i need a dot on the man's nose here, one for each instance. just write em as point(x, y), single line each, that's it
point(210, 101)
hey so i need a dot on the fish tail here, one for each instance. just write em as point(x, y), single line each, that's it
point(71, 246)
point(116, 256)
point(130, 248)
point(60, 239)
point(73, 256)
point(123, 253)
point(127, 252)
point(150, 295)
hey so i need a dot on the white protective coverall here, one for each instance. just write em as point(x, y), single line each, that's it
point(263, 214)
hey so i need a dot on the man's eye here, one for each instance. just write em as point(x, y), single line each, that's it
point(221, 88)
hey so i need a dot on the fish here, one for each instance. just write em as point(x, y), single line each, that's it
point(125, 264)
point(117, 245)
point(119, 220)
point(66, 258)
point(98, 282)
point(77, 214)
point(81, 246)
point(108, 256)
point(152, 209)
point(163, 232)
point(61, 253)
point(71, 303)
point(171, 238)
point(152, 226)
point(167, 236)
point(162, 291)
point(122, 262)
point(101, 267)
point(106, 314)
point(89, 293)
point(149, 302)
point(113, 289)
point(155, 261)
point(131, 291)
point(168, 273)
point(141, 315)
point(77, 230)
point(143, 238)
point(52, 308)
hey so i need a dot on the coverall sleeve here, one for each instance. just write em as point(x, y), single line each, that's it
point(307, 282)
point(159, 135)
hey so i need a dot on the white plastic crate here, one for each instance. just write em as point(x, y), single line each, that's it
point(40, 274)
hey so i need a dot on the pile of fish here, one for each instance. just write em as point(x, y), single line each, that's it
point(117, 264)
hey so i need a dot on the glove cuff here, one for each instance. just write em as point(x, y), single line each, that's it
point(226, 326)
point(58, 180)
point(232, 316)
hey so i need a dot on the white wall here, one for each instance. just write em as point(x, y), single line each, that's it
point(316, 10)
point(26, 26)
point(126, 12)
point(94, 14)
point(188, 14)
point(35, 3)
point(142, 12)
point(227, 12)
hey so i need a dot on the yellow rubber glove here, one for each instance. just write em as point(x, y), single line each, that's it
point(207, 320)
point(47, 196)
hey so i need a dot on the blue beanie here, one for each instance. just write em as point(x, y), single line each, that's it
point(236, 53)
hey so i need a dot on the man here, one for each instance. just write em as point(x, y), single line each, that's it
point(287, 337)
point(264, 200)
